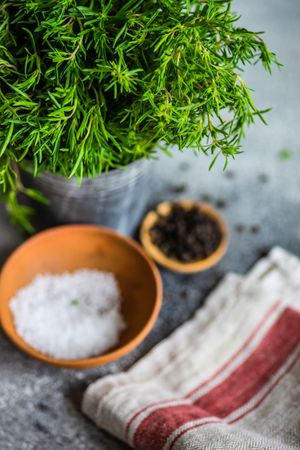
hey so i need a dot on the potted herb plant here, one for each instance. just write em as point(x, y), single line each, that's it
point(88, 88)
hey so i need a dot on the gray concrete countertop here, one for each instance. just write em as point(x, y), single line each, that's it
point(259, 196)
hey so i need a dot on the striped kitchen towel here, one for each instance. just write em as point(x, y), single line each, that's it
point(226, 379)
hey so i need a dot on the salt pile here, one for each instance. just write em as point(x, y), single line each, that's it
point(71, 315)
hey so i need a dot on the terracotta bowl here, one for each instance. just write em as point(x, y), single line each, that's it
point(172, 264)
point(71, 247)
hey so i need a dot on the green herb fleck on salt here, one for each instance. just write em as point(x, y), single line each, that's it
point(285, 154)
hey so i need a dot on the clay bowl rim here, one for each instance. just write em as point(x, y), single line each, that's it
point(170, 263)
point(94, 361)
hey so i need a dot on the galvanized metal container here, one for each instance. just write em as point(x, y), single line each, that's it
point(115, 199)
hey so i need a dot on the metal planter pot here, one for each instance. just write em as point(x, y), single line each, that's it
point(115, 199)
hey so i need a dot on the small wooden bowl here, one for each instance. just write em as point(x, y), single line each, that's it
point(71, 247)
point(179, 266)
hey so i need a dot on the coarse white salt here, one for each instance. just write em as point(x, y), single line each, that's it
point(71, 315)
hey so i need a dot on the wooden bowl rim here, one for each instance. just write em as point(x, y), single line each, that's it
point(178, 266)
point(96, 360)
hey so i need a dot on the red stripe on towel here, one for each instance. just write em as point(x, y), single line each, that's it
point(232, 393)
point(272, 386)
point(155, 429)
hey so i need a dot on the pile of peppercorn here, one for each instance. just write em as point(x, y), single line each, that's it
point(186, 234)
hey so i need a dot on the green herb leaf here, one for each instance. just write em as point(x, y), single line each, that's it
point(75, 302)
point(36, 195)
point(285, 154)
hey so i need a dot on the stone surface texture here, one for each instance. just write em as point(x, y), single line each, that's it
point(259, 195)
